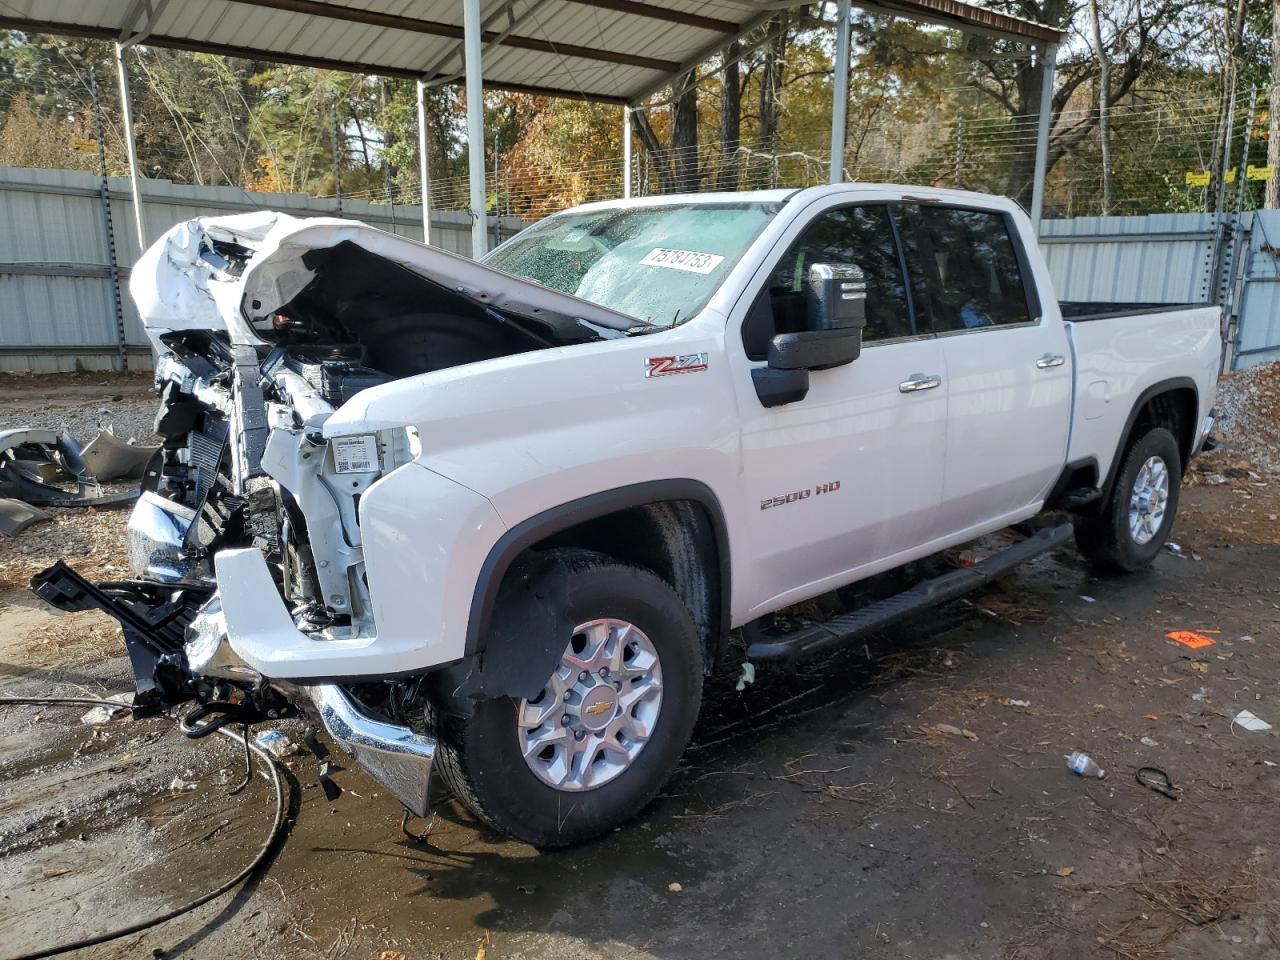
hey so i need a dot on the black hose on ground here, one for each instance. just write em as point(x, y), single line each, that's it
point(261, 856)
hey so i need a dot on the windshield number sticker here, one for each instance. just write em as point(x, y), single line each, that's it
point(665, 366)
point(355, 454)
point(688, 260)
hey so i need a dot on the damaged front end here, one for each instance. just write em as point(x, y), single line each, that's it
point(251, 600)
point(244, 491)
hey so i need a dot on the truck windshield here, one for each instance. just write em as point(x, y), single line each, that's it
point(659, 264)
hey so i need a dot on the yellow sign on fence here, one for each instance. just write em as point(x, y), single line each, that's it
point(1252, 172)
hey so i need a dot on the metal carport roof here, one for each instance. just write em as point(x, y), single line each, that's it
point(618, 51)
point(608, 50)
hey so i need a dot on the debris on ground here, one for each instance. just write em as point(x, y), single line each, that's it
point(1248, 721)
point(1156, 779)
point(179, 785)
point(1248, 409)
point(93, 535)
point(1084, 765)
point(16, 516)
point(39, 467)
point(1189, 638)
point(277, 743)
point(99, 715)
point(951, 731)
point(109, 458)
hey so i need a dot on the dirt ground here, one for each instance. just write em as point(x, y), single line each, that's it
point(908, 798)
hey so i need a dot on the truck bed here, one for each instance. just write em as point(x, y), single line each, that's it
point(1079, 311)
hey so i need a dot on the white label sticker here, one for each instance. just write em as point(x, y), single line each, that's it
point(355, 454)
point(688, 260)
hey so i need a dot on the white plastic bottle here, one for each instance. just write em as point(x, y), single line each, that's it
point(1083, 764)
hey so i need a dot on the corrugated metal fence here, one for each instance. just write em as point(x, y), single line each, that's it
point(1178, 258)
point(1257, 338)
point(57, 311)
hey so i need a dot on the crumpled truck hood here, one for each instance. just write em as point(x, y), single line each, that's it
point(175, 288)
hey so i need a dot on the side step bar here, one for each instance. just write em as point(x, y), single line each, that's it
point(821, 637)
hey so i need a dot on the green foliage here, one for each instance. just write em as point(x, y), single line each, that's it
point(926, 105)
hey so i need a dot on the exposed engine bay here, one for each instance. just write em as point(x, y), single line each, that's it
point(228, 411)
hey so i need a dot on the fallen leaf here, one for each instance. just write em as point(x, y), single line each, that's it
point(390, 955)
point(1200, 666)
point(954, 731)
point(1065, 871)
point(1150, 716)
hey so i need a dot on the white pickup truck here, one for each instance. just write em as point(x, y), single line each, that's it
point(502, 518)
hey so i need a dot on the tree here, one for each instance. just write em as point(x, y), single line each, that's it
point(677, 165)
point(731, 118)
point(1145, 33)
point(1104, 103)
point(1273, 138)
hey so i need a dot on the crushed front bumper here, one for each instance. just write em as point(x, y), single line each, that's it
point(177, 638)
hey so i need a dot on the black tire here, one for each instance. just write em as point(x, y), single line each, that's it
point(1106, 540)
point(480, 759)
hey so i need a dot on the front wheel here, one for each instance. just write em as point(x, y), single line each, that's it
point(1136, 520)
point(605, 734)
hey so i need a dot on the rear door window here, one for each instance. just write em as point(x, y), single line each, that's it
point(966, 272)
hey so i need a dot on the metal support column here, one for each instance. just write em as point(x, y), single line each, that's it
point(424, 162)
point(840, 90)
point(1049, 54)
point(475, 124)
point(126, 118)
point(108, 230)
point(626, 152)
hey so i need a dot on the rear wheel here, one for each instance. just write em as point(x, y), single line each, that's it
point(605, 734)
point(1136, 520)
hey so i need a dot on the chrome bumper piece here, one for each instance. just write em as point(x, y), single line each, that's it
point(157, 542)
point(395, 756)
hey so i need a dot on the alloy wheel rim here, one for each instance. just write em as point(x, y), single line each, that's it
point(598, 709)
point(1148, 500)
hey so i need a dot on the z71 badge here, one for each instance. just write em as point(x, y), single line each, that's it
point(665, 366)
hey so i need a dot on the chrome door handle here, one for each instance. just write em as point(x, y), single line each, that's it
point(1050, 360)
point(918, 381)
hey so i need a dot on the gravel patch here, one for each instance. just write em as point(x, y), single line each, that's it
point(1248, 406)
point(81, 405)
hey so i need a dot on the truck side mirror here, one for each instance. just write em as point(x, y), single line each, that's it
point(837, 297)
point(837, 313)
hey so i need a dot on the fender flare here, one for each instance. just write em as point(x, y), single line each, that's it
point(1163, 386)
point(563, 516)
